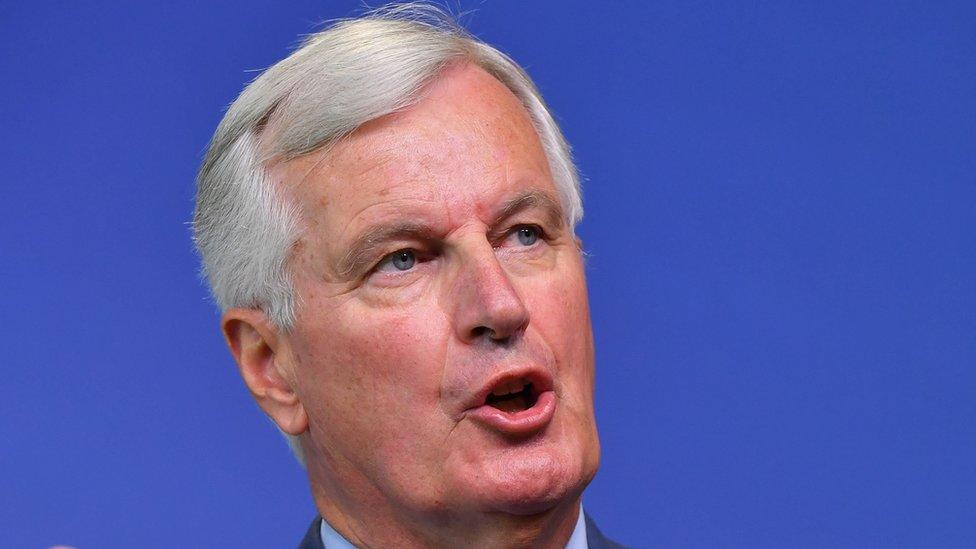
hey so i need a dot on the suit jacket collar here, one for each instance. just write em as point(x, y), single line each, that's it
point(595, 538)
point(313, 538)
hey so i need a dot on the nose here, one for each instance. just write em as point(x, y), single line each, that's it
point(488, 306)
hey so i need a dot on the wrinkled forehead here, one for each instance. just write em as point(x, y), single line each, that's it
point(467, 134)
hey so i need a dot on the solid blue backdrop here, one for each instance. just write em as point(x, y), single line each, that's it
point(780, 203)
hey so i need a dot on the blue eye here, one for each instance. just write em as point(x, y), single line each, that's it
point(400, 260)
point(527, 235)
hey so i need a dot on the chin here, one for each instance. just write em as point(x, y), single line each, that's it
point(529, 481)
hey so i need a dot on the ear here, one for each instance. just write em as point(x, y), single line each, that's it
point(264, 362)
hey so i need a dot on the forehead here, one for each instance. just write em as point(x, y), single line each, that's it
point(467, 144)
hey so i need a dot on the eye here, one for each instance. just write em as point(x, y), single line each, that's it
point(400, 260)
point(527, 235)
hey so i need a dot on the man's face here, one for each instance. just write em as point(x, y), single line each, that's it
point(442, 349)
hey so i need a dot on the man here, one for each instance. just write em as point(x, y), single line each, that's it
point(386, 220)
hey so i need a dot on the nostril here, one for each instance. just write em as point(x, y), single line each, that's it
point(484, 332)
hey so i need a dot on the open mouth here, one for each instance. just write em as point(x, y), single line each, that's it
point(512, 396)
point(515, 404)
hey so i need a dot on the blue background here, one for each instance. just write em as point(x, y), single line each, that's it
point(780, 204)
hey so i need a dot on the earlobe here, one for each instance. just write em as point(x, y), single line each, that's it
point(263, 361)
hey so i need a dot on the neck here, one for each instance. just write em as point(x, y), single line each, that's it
point(368, 518)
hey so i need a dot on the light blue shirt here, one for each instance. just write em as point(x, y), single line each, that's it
point(334, 540)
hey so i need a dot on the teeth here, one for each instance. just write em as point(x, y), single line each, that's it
point(509, 387)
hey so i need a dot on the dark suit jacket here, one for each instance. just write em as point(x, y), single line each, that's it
point(594, 538)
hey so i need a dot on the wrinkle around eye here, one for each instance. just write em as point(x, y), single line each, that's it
point(389, 261)
point(543, 254)
point(392, 277)
point(512, 239)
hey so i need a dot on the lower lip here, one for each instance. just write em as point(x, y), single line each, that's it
point(525, 422)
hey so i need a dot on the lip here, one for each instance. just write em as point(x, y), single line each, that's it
point(520, 423)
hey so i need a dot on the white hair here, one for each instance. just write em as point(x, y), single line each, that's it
point(353, 72)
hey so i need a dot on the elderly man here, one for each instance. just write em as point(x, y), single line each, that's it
point(386, 219)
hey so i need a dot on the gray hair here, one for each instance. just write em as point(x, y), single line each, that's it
point(353, 72)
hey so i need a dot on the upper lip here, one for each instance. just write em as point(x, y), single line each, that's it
point(540, 379)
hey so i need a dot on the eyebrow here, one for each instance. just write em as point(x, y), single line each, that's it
point(364, 248)
point(527, 200)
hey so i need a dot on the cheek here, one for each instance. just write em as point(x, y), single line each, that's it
point(558, 305)
point(370, 374)
point(559, 311)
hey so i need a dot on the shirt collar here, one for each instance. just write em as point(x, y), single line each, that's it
point(334, 540)
point(578, 539)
